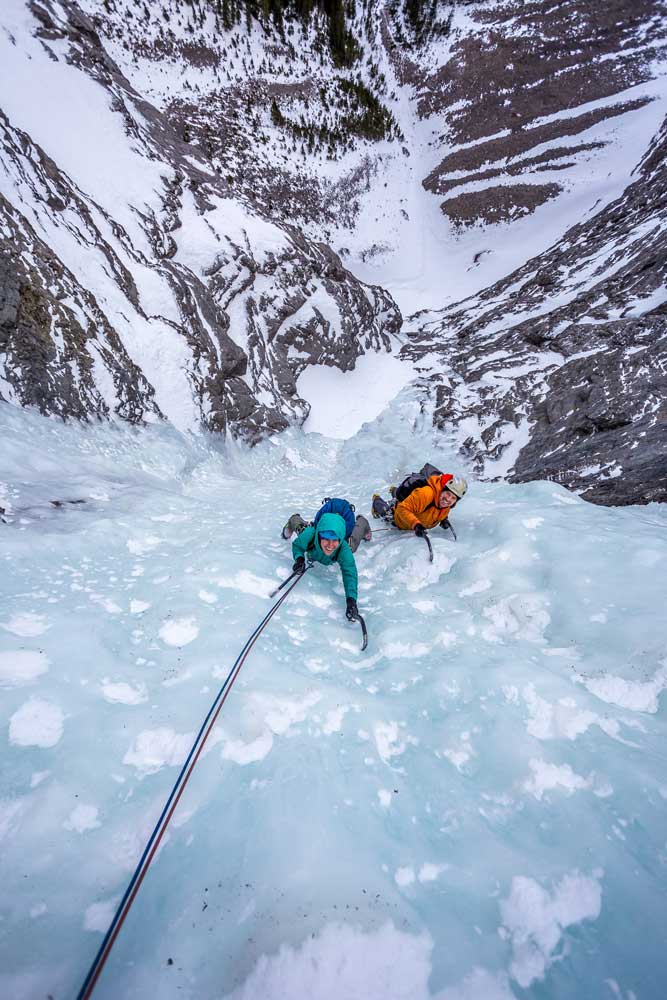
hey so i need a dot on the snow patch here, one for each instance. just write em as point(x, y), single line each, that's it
point(37, 723)
point(344, 961)
point(154, 749)
point(334, 720)
point(138, 607)
point(520, 615)
point(272, 716)
point(22, 666)
point(98, 916)
point(124, 694)
point(179, 631)
point(404, 876)
point(207, 597)
point(548, 776)
point(388, 741)
point(535, 920)
point(26, 625)
point(564, 719)
point(430, 872)
point(82, 818)
point(248, 753)
point(638, 696)
point(247, 583)
point(475, 588)
point(140, 546)
point(341, 402)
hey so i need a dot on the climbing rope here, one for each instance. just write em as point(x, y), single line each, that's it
point(171, 804)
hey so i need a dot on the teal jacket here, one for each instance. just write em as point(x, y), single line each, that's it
point(307, 545)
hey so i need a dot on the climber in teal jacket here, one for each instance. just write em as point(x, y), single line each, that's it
point(326, 544)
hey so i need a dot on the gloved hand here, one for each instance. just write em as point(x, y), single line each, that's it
point(299, 565)
point(445, 525)
point(352, 611)
point(419, 530)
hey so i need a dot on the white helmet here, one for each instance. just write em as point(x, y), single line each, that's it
point(458, 486)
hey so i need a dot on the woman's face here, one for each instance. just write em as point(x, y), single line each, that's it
point(329, 545)
point(447, 498)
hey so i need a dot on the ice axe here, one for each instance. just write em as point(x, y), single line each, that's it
point(364, 631)
point(296, 572)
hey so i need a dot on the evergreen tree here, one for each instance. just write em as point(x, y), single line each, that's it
point(277, 116)
point(337, 13)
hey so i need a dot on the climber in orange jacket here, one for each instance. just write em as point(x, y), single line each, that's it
point(424, 506)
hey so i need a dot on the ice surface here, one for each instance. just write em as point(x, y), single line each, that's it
point(473, 809)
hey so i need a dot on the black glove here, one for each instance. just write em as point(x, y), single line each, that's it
point(299, 565)
point(445, 525)
point(352, 611)
point(419, 530)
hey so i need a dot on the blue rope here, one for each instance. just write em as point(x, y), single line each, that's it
point(120, 914)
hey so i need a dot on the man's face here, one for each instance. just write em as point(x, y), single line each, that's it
point(329, 545)
point(447, 498)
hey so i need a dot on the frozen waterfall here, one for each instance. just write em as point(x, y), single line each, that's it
point(475, 807)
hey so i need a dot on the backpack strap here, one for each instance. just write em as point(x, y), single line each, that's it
point(350, 505)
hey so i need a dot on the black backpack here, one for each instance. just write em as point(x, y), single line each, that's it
point(415, 480)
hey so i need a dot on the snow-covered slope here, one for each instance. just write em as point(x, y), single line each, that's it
point(560, 370)
point(473, 809)
point(133, 280)
point(196, 211)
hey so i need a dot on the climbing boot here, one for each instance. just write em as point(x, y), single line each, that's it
point(380, 507)
point(361, 530)
point(295, 525)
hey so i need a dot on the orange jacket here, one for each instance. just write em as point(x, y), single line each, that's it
point(421, 507)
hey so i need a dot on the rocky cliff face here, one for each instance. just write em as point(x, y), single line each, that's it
point(519, 92)
point(132, 282)
point(560, 370)
point(187, 208)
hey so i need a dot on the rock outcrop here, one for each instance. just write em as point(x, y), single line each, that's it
point(518, 90)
